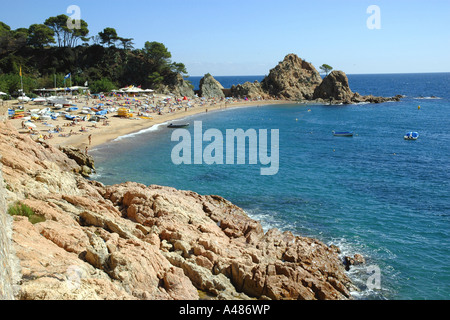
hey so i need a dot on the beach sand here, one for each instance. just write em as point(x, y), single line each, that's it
point(117, 127)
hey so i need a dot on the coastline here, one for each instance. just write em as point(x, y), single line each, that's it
point(118, 127)
point(121, 241)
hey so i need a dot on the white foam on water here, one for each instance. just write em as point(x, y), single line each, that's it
point(134, 134)
point(427, 98)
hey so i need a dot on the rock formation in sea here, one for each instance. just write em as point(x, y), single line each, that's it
point(336, 89)
point(292, 79)
point(210, 87)
point(131, 241)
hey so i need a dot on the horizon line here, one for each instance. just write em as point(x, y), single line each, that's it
point(261, 75)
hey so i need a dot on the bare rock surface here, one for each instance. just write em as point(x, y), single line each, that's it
point(292, 79)
point(131, 241)
point(335, 88)
point(210, 87)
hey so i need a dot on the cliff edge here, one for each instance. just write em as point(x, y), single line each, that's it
point(132, 241)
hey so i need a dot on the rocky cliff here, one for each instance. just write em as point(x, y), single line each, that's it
point(132, 241)
point(210, 87)
point(292, 79)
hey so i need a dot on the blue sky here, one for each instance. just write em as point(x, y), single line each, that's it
point(249, 37)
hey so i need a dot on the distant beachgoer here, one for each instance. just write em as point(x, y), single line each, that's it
point(90, 139)
point(86, 151)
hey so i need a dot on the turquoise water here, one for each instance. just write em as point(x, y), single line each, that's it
point(374, 194)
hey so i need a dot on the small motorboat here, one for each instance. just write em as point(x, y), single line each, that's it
point(411, 136)
point(343, 133)
point(176, 126)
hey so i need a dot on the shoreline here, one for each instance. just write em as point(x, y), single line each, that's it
point(119, 127)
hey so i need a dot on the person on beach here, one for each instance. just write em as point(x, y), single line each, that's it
point(90, 139)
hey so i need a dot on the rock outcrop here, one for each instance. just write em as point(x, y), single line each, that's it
point(336, 89)
point(178, 86)
point(251, 90)
point(297, 80)
point(85, 161)
point(210, 87)
point(292, 79)
point(132, 241)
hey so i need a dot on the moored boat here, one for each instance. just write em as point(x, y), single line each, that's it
point(176, 126)
point(343, 133)
point(411, 136)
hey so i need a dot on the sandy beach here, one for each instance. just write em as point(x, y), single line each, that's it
point(82, 134)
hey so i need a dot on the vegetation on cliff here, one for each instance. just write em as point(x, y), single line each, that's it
point(45, 53)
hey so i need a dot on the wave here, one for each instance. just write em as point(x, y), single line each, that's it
point(358, 274)
point(134, 134)
point(428, 98)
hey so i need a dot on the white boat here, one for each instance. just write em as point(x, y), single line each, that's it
point(39, 100)
point(44, 111)
point(411, 136)
point(23, 99)
point(58, 100)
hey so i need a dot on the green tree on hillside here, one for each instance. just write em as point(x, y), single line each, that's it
point(59, 26)
point(78, 34)
point(40, 35)
point(12, 40)
point(108, 36)
point(157, 53)
point(127, 43)
point(67, 37)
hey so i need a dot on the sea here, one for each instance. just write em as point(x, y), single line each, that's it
point(374, 194)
